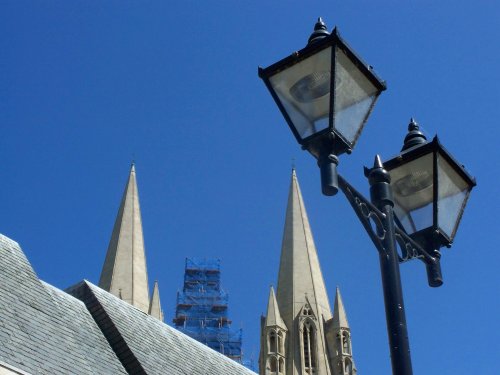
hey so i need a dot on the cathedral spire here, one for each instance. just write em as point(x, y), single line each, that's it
point(299, 272)
point(301, 292)
point(124, 271)
point(155, 305)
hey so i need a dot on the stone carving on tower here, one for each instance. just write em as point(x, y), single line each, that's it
point(301, 311)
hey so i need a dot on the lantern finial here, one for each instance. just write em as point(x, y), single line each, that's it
point(414, 137)
point(320, 31)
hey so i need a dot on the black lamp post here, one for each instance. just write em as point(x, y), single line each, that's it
point(326, 93)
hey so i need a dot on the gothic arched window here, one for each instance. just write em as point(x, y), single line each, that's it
point(281, 366)
point(348, 367)
point(339, 343)
point(309, 346)
point(281, 344)
point(272, 342)
point(346, 345)
point(273, 365)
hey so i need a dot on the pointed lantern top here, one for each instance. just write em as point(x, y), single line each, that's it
point(414, 137)
point(320, 31)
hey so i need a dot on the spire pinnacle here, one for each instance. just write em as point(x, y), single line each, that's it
point(124, 272)
point(339, 314)
point(273, 316)
point(155, 305)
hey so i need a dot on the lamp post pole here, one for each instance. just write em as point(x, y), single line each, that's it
point(381, 197)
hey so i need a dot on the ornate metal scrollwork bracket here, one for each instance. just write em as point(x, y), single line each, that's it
point(409, 248)
point(369, 215)
point(373, 221)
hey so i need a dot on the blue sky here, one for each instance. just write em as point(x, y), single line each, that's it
point(88, 86)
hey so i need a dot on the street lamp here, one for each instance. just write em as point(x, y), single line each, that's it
point(302, 84)
point(430, 189)
point(326, 93)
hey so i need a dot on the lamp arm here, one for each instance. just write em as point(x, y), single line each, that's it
point(367, 213)
point(410, 249)
point(371, 217)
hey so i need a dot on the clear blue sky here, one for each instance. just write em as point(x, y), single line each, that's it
point(88, 86)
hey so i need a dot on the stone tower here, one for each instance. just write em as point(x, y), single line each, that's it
point(124, 273)
point(339, 333)
point(300, 314)
point(273, 339)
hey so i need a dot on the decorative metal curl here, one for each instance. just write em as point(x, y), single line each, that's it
point(409, 249)
point(366, 212)
point(369, 214)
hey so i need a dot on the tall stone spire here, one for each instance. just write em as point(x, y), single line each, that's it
point(301, 292)
point(155, 305)
point(315, 342)
point(124, 272)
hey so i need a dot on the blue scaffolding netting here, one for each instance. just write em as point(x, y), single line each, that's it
point(202, 308)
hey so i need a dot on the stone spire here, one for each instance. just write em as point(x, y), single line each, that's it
point(273, 317)
point(155, 305)
point(301, 292)
point(339, 315)
point(273, 336)
point(124, 272)
point(339, 340)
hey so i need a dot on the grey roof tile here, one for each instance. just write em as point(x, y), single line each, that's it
point(150, 346)
point(44, 330)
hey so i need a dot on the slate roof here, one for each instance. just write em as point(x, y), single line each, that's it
point(147, 345)
point(44, 330)
point(86, 330)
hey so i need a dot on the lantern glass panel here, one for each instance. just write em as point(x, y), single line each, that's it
point(304, 92)
point(453, 191)
point(412, 186)
point(355, 96)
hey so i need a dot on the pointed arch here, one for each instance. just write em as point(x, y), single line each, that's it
point(308, 343)
point(346, 342)
point(273, 364)
point(348, 367)
point(281, 366)
point(281, 343)
point(272, 342)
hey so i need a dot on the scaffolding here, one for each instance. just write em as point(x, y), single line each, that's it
point(202, 308)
